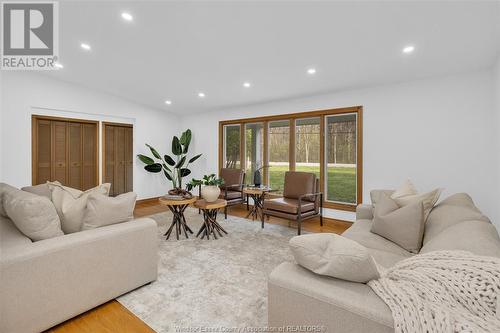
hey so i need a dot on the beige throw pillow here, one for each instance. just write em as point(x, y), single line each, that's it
point(71, 203)
point(103, 210)
point(334, 255)
point(404, 190)
point(401, 225)
point(34, 215)
point(428, 199)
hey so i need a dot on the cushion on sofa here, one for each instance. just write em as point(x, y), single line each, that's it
point(428, 199)
point(334, 255)
point(34, 215)
point(3, 189)
point(404, 190)
point(41, 189)
point(71, 203)
point(478, 237)
point(456, 208)
point(401, 225)
point(10, 237)
point(103, 210)
point(375, 195)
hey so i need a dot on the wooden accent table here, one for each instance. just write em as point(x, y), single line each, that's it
point(210, 225)
point(257, 194)
point(177, 207)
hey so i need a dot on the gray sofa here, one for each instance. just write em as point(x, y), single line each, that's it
point(299, 297)
point(46, 282)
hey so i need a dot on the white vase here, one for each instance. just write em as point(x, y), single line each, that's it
point(210, 193)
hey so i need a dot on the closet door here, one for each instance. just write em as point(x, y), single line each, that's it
point(42, 150)
point(118, 157)
point(60, 152)
point(75, 176)
point(89, 156)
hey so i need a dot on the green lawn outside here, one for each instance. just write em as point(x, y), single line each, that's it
point(341, 181)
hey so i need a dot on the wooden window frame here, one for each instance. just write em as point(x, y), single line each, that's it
point(292, 117)
point(34, 143)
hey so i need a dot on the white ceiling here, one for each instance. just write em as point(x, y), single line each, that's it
point(173, 50)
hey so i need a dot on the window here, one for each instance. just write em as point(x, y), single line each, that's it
point(307, 145)
point(279, 153)
point(326, 143)
point(341, 150)
point(254, 150)
point(232, 138)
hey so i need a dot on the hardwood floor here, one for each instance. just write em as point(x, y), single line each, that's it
point(112, 317)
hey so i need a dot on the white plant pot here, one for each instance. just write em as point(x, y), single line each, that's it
point(210, 193)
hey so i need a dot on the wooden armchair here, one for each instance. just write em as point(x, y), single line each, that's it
point(301, 199)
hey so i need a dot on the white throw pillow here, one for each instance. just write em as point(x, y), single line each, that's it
point(334, 255)
point(71, 203)
point(404, 190)
point(103, 210)
point(428, 200)
point(34, 215)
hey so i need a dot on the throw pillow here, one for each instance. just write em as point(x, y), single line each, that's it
point(376, 195)
point(34, 215)
point(71, 203)
point(401, 225)
point(428, 199)
point(41, 189)
point(103, 210)
point(4, 188)
point(406, 189)
point(334, 255)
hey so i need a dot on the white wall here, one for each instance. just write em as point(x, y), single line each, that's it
point(496, 73)
point(27, 93)
point(437, 132)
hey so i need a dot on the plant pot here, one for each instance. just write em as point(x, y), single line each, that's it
point(210, 193)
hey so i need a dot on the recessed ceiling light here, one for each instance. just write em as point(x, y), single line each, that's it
point(127, 16)
point(201, 94)
point(85, 46)
point(247, 84)
point(311, 71)
point(58, 65)
point(168, 102)
point(408, 49)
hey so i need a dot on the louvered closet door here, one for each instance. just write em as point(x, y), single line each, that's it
point(118, 156)
point(65, 151)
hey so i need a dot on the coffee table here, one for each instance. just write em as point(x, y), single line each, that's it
point(257, 194)
point(210, 224)
point(177, 207)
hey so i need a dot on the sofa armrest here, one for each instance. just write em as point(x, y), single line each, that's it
point(50, 281)
point(364, 212)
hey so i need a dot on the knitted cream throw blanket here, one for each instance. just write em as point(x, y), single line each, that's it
point(443, 291)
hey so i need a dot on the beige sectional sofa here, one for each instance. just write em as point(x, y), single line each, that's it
point(299, 297)
point(46, 282)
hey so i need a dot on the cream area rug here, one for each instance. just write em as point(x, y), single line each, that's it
point(211, 283)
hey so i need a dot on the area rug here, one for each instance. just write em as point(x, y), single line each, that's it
point(211, 284)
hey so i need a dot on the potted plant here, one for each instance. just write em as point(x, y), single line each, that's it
point(210, 190)
point(175, 168)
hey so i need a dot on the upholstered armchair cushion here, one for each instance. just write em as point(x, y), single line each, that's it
point(288, 205)
point(230, 195)
point(299, 183)
point(231, 177)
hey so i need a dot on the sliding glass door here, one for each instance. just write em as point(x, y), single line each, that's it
point(341, 158)
point(254, 150)
point(232, 146)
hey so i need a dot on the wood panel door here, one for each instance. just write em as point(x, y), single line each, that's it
point(65, 150)
point(118, 157)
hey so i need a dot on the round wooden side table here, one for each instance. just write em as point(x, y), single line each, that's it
point(177, 207)
point(210, 225)
point(257, 194)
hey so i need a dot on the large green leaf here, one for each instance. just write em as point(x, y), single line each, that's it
point(181, 162)
point(153, 151)
point(186, 137)
point(194, 158)
point(155, 167)
point(185, 172)
point(176, 146)
point(145, 159)
point(165, 167)
point(169, 177)
point(169, 160)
